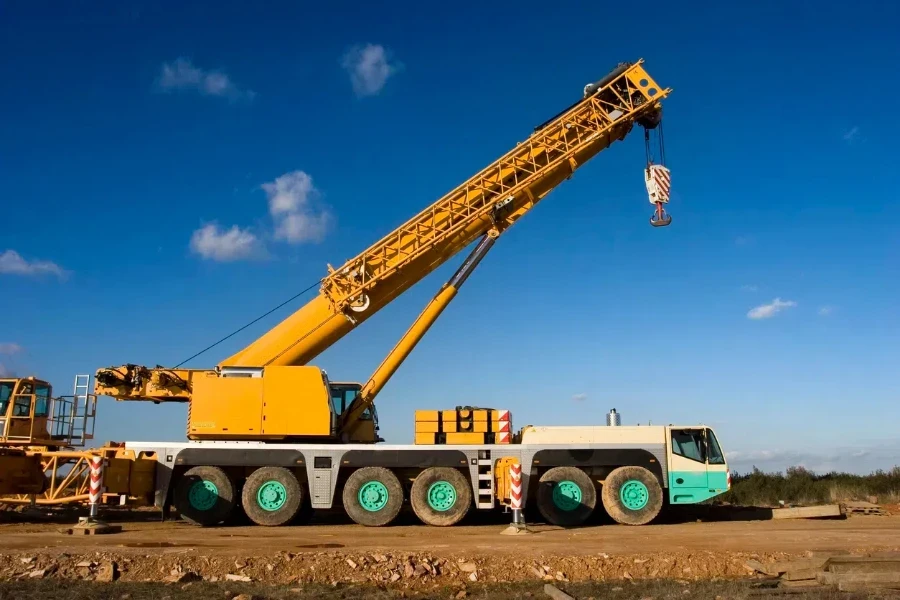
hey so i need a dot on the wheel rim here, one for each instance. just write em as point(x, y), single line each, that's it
point(373, 496)
point(634, 494)
point(441, 496)
point(567, 495)
point(203, 495)
point(271, 496)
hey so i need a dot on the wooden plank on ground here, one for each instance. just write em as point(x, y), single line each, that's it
point(801, 574)
point(884, 580)
point(556, 593)
point(783, 566)
point(806, 583)
point(760, 567)
point(807, 512)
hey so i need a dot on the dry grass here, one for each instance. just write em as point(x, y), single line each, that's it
point(801, 486)
point(657, 589)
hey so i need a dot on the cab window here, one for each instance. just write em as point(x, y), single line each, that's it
point(715, 452)
point(342, 397)
point(6, 390)
point(337, 400)
point(689, 443)
point(22, 406)
point(41, 400)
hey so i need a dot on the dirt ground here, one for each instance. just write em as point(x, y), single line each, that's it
point(655, 590)
point(855, 534)
point(415, 560)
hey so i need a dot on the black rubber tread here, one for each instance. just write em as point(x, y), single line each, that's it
point(418, 496)
point(351, 496)
point(224, 505)
point(288, 510)
point(554, 514)
point(612, 501)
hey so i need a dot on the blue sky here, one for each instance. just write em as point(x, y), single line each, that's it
point(169, 171)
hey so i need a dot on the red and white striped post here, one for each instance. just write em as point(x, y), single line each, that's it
point(515, 494)
point(91, 524)
point(96, 489)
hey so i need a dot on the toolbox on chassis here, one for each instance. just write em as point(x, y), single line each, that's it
point(567, 472)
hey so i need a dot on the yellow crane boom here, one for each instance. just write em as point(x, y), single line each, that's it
point(484, 206)
point(497, 196)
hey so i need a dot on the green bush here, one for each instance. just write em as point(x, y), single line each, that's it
point(800, 486)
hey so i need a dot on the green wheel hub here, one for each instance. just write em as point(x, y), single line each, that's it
point(634, 494)
point(373, 496)
point(203, 495)
point(567, 495)
point(271, 495)
point(441, 496)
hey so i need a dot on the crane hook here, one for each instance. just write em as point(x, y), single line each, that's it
point(660, 218)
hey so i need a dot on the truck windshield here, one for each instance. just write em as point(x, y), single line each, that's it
point(715, 452)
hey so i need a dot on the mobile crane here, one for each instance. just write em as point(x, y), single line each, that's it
point(265, 391)
point(275, 435)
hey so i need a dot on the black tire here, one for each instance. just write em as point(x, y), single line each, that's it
point(641, 486)
point(205, 496)
point(386, 499)
point(272, 496)
point(569, 504)
point(452, 496)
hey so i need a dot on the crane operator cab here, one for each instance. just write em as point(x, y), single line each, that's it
point(276, 403)
point(24, 410)
point(342, 396)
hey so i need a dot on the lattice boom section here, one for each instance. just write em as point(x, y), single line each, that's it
point(469, 210)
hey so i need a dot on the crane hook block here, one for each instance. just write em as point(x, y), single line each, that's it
point(660, 218)
point(659, 181)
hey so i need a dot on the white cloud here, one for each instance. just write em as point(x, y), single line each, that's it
point(181, 74)
point(295, 208)
point(824, 311)
point(749, 288)
point(4, 372)
point(12, 263)
point(580, 397)
point(743, 240)
point(767, 311)
point(851, 134)
point(9, 348)
point(213, 243)
point(369, 67)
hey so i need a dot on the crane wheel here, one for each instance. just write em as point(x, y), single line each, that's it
point(566, 496)
point(205, 495)
point(632, 495)
point(441, 496)
point(272, 496)
point(373, 496)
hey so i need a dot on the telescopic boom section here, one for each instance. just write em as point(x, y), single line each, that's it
point(493, 199)
point(496, 197)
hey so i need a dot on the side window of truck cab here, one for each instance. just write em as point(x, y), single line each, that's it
point(689, 443)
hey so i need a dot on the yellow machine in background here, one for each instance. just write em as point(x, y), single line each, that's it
point(267, 392)
point(41, 440)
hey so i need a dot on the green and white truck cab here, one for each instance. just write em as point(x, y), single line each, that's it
point(697, 469)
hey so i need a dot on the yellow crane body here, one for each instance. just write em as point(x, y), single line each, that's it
point(265, 391)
